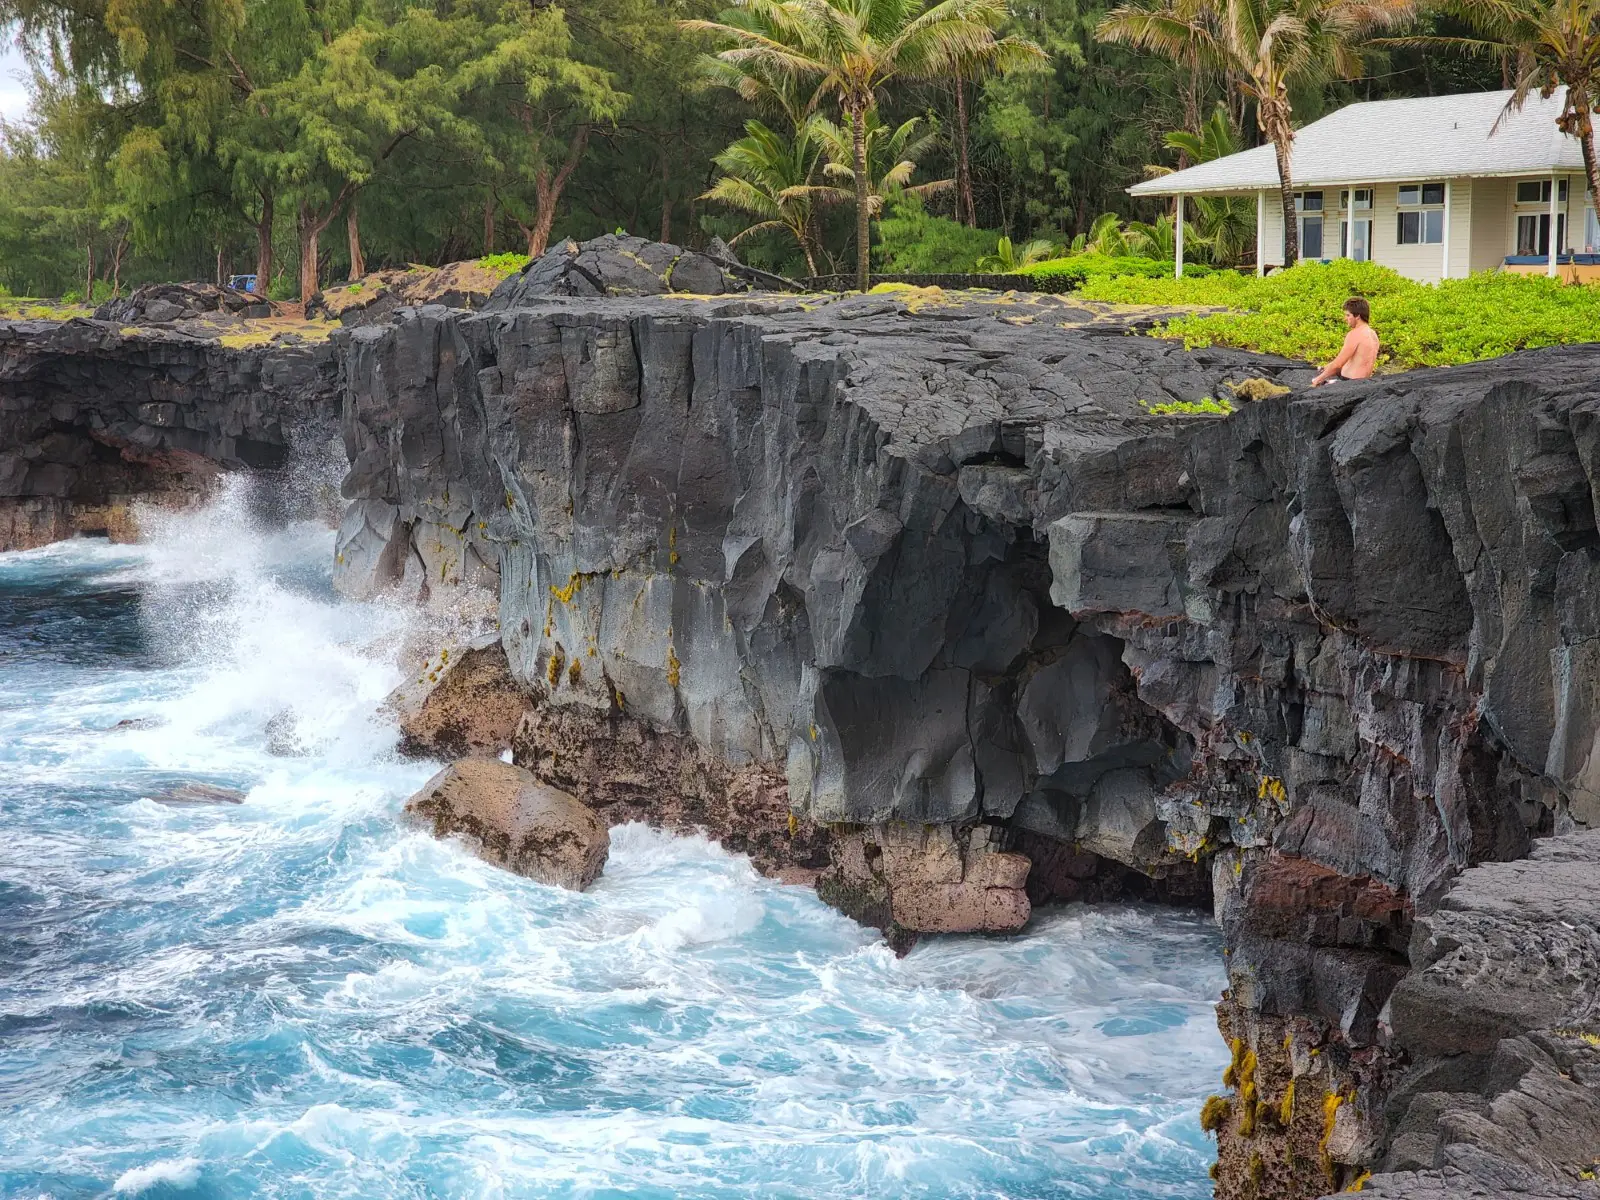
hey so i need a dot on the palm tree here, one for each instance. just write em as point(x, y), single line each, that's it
point(1106, 236)
point(853, 49)
point(891, 157)
point(1222, 225)
point(766, 174)
point(1007, 258)
point(1550, 43)
point(756, 80)
point(1269, 45)
point(1003, 56)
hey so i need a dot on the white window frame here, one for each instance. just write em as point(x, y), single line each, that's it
point(1362, 200)
point(1346, 229)
point(1544, 193)
point(1425, 211)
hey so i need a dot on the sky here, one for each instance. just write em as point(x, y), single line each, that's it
point(13, 96)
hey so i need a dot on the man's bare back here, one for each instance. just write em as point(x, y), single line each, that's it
point(1358, 357)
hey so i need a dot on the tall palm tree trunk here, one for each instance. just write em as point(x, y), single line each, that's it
point(858, 139)
point(1274, 116)
point(1581, 106)
point(968, 211)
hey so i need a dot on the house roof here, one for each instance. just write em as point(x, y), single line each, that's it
point(1432, 137)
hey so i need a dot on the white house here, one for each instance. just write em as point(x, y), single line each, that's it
point(1428, 186)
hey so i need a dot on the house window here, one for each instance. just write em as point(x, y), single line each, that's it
point(1533, 233)
point(1355, 240)
point(1425, 227)
point(1310, 237)
point(1424, 223)
point(1591, 231)
point(1308, 202)
point(1537, 191)
point(1363, 199)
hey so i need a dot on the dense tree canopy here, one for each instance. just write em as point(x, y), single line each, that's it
point(310, 141)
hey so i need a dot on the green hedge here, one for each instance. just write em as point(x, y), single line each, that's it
point(1297, 313)
point(1080, 268)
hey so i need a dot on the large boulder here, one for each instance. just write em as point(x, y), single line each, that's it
point(514, 821)
point(462, 701)
point(617, 265)
point(162, 303)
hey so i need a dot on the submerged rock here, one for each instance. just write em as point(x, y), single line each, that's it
point(516, 822)
point(129, 723)
point(198, 793)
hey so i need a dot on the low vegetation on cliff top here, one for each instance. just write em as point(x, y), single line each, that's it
point(1296, 313)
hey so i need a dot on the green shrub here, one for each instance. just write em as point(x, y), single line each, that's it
point(1189, 408)
point(1073, 271)
point(916, 243)
point(503, 264)
point(1297, 313)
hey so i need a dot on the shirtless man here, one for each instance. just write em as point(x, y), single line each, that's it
point(1359, 354)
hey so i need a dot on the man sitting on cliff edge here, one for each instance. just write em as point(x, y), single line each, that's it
point(1359, 354)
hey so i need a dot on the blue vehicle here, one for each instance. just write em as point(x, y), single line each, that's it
point(244, 283)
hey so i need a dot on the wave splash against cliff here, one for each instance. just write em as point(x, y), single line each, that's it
point(299, 996)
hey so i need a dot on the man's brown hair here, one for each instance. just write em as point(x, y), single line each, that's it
point(1357, 306)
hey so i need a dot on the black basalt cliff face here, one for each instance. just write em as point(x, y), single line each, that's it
point(95, 415)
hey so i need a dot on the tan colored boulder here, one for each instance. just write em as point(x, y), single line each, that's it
point(913, 879)
point(514, 821)
point(462, 701)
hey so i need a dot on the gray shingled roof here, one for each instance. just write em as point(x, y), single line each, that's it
point(1432, 137)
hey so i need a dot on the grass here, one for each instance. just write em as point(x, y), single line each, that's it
point(21, 308)
point(1296, 313)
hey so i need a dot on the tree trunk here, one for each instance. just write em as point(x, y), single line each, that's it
point(1275, 119)
point(264, 245)
point(1291, 227)
point(116, 263)
point(803, 236)
point(666, 198)
point(311, 227)
point(488, 222)
point(88, 273)
point(1583, 127)
point(547, 193)
point(352, 232)
point(969, 211)
point(858, 139)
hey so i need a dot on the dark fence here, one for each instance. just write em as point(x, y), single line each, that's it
point(993, 283)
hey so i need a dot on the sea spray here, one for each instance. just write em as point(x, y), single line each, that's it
point(300, 996)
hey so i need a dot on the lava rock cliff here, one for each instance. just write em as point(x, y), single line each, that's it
point(916, 596)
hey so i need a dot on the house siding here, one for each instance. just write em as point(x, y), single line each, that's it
point(1274, 228)
point(1482, 227)
point(1492, 227)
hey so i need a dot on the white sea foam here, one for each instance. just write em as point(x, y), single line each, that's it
point(174, 1172)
